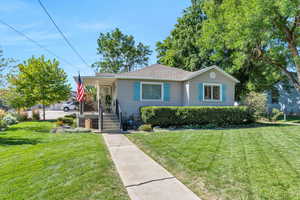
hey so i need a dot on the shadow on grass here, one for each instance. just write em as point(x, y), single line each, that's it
point(255, 125)
point(30, 128)
point(17, 141)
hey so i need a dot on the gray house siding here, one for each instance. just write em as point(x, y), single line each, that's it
point(125, 93)
point(205, 78)
point(288, 101)
point(182, 93)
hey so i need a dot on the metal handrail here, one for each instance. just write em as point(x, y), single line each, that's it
point(119, 113)
point(100, 116)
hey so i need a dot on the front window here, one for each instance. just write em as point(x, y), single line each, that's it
point(212, 92)
point(151, 91)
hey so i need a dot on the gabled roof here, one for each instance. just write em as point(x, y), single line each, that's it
point(201, 71)
point(162, 72)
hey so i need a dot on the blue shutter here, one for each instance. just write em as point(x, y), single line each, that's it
point(136, 91)
point(166, 92)
point(224, 92)
point(200, 91)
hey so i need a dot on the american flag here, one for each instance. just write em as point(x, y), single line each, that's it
point(80, 90)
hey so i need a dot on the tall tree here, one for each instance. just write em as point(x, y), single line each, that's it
point(40, 81)
point(119, 53)
point(181, 49)
point(6, 67)
point(191, 46)
point(262, 32)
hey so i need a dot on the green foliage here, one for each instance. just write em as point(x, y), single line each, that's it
point(65, 121)
point(9, 119)
point(165, 116)
point(39, 81)
point(2, 113)
point(145, 127)
point(262, 33)
point(119, 52)
point(36, 114)
point(21, 116)
point(257, 103)
point(3, 124)
point(275, 115)
point(181, 49)
point(73, 116)
point(6, 68)
point(197, 41)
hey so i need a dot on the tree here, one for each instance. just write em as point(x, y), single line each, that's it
point(191, 46)
point(264, 33)
point(181, 48)
point(6, 68)
point(39, 81)
point(119, 53)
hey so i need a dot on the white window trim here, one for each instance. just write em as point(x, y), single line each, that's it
point(152, 83)
point(212, 84)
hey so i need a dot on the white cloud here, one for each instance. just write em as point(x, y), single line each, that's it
point(96, 26)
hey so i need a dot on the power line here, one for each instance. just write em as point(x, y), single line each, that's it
point(35, 42)
point(62, 34)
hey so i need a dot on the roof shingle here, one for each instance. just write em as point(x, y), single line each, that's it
point(157, 71)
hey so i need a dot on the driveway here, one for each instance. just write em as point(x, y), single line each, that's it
point(53, 114)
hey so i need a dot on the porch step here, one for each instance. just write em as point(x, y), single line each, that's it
point(111, 123)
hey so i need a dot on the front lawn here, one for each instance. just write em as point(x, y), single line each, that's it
point(249, 163)
point(35, 164)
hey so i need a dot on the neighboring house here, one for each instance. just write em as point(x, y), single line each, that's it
point(159, 85)
point(286, 99)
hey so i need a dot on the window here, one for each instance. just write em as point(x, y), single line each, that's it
point(275, 96)
point(212, 92)
point(152, 91)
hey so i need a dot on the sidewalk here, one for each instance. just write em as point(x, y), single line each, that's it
point(143, 178)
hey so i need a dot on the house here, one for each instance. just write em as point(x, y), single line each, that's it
point(285, 98)
point(155, 85)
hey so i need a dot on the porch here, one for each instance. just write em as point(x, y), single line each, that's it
point(101, 110)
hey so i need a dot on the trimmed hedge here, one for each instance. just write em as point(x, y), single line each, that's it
point(165, 116)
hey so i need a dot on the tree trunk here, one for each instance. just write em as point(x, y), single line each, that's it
point(44, 112)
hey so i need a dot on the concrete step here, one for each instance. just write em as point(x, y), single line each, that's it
point(111, 124)
point(110, 118)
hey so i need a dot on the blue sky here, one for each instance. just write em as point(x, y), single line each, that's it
point(82, 21)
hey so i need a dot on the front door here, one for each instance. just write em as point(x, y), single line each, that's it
point(106, 97)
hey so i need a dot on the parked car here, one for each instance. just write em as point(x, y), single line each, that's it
point(69, 106)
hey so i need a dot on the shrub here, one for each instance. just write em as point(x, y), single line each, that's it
point(2, 113)
point(3, 125)
point(257, 103)
point(73, 116)
point(9, 119)
point(65, 121)
point(145, 127)
point(36, 114)
point(165, 116)
point(21, 116)
point(275, 114)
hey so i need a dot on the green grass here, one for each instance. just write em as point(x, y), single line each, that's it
point(249, 163)
point(292, 119)
point(35, 164)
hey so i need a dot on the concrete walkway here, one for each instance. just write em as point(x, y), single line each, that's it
point(144, 178)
